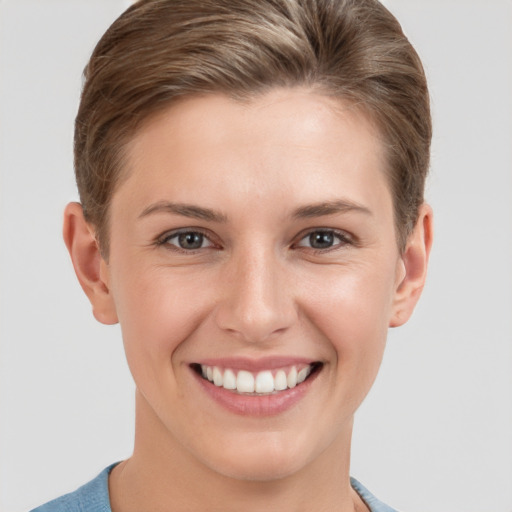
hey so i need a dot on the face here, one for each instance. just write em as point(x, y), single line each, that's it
point(254, 269)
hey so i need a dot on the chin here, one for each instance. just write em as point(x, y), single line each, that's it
point(262, 470)
point(260, 460)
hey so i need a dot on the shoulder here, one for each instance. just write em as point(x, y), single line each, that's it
point(371, 501)
point(91, 497)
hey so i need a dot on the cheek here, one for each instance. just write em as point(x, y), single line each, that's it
point(158, 309)
point(351, 308)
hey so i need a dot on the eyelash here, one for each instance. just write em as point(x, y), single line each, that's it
point(343, 240)
point(167, 237)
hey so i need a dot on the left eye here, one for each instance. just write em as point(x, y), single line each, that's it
point(323, 239)
point(188, 240)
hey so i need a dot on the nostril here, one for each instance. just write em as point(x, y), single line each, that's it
point(257, 307)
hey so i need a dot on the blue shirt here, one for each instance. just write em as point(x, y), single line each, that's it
point(93, 497)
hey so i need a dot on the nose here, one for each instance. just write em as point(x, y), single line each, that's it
point(257, 301)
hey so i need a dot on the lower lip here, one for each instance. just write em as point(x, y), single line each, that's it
point(256, 405)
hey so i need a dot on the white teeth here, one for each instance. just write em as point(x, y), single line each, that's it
point(245, 382)
point(229, 380)
point(264, 382)
point(280, 381)
point(301, 376)
point(217, 377)
point(292, 378)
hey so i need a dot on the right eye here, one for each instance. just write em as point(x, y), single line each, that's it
point(187, 240)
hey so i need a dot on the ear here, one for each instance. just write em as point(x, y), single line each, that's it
point(90, 268)
point(413, 263)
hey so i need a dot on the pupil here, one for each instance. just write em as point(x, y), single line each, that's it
point(190, 240)
point(321, 239)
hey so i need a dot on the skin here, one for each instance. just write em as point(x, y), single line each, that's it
point(254, 288)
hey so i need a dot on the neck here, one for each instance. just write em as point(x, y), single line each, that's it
point(163, 475)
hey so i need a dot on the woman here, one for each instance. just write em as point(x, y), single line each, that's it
point(251, 178)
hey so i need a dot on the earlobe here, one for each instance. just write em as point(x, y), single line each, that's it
point(413, 268)
point(90, 268)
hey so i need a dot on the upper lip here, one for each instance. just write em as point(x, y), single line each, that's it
point(255, 365)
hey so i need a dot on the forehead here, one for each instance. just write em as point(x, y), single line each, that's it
point(295, 141)
point(303, 112)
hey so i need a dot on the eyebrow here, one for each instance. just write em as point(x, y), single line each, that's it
point(186, 210)
point(329, 208)
point(307, 211)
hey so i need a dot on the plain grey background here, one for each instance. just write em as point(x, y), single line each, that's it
point(435, 433)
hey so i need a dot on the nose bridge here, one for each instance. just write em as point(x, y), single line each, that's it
point(256, 303)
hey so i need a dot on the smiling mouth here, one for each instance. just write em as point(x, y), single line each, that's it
point(265, 382)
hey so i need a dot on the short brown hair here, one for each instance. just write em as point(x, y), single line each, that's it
point(158, 51)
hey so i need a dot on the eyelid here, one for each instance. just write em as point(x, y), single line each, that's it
point(164, 238)
point(344, 237)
